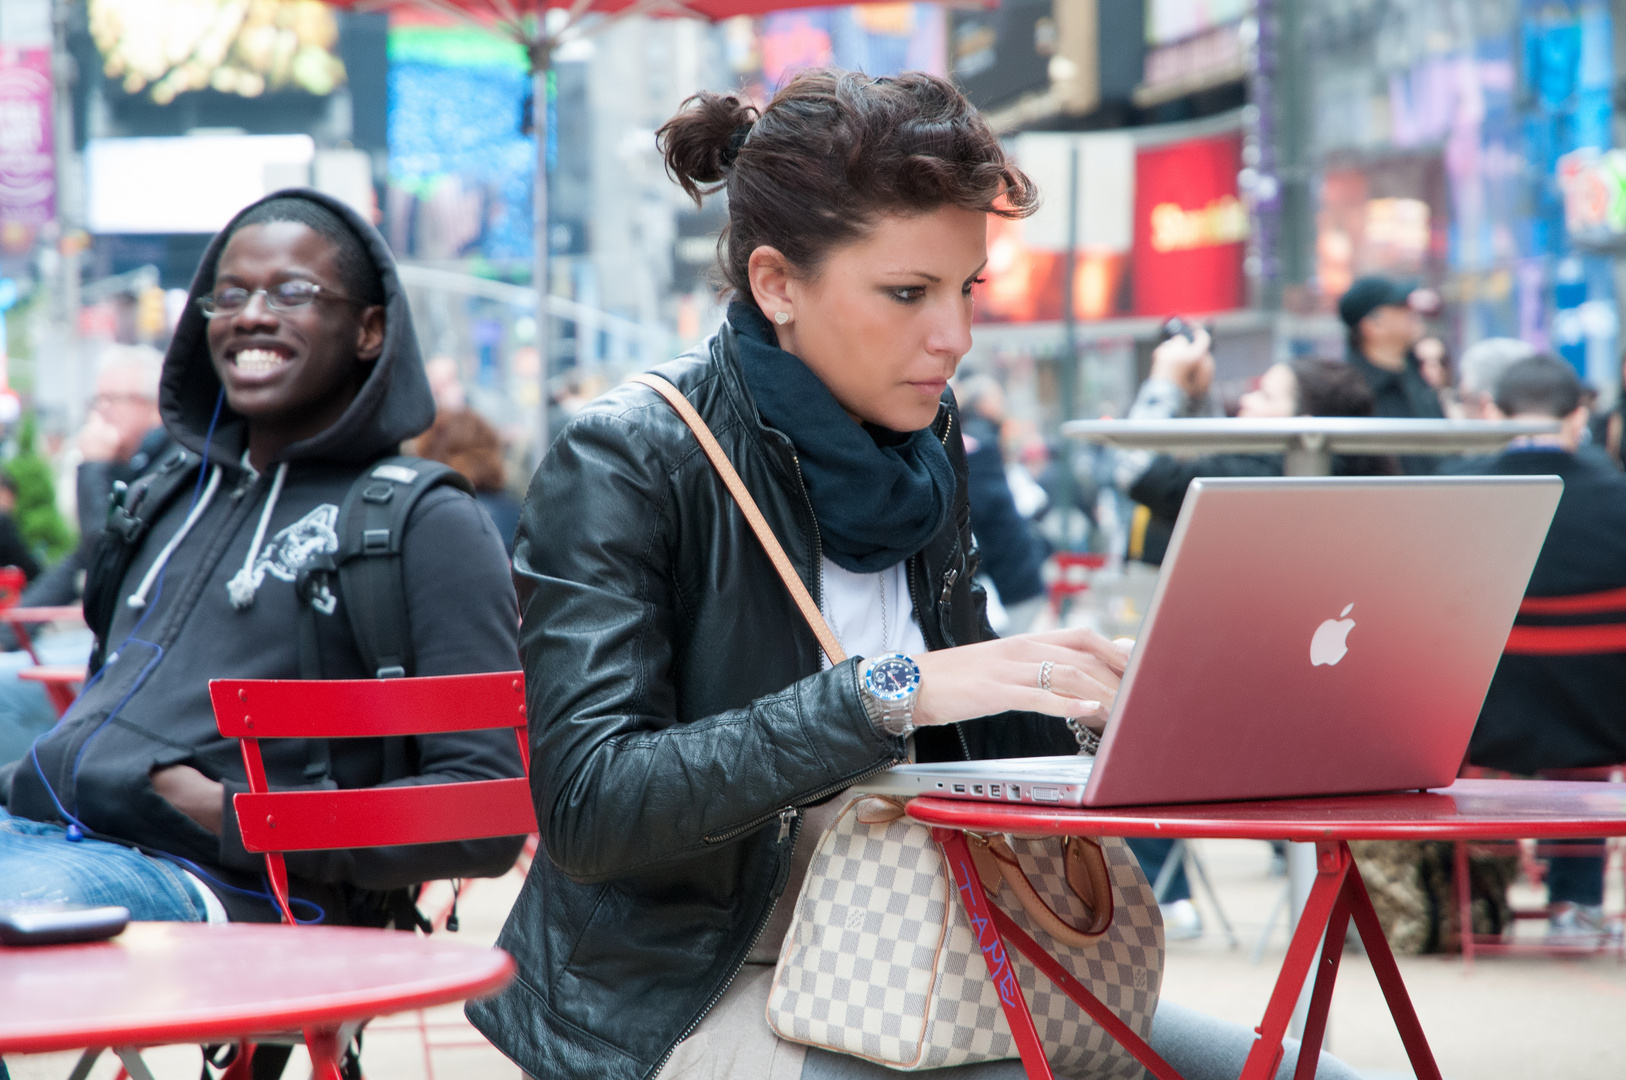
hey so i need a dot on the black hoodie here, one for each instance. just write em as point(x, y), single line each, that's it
point(149, 706)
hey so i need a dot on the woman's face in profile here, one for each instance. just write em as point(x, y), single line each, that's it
point(1277, 395)
point(887, 318)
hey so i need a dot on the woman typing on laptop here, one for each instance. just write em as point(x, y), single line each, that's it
point(690, 737)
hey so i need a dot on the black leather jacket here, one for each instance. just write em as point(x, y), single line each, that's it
point(679, 717)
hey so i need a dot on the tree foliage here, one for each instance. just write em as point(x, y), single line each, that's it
point(37, 516)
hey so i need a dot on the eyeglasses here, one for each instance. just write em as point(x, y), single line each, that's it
point(288, 296)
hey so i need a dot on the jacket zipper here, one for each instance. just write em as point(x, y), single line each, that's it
point(818, 539)
point(790, 818)
point(790, 825)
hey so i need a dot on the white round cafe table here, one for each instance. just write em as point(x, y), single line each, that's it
point(1307, 443)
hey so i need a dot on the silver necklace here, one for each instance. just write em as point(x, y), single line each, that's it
point(886, 633)
point(886, 628)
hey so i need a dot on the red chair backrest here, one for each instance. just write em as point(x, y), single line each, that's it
point(1587, 634)
point(274, 822)
point(12, 583)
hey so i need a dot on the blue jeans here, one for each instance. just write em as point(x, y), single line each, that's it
point(40, 865)
point(1576, 878)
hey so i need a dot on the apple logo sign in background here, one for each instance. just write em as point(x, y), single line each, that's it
point(1327, 646)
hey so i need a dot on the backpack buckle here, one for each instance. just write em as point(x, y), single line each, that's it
point(375, 541)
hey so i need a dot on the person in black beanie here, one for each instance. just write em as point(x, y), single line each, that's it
point(1383, 327)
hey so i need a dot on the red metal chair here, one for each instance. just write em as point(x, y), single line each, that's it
point(12, 583)
point(1072, 576)
point(275, 822)
point(61, 682)
point(1530, 638)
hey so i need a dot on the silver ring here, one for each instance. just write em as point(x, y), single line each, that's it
point(1045, 669)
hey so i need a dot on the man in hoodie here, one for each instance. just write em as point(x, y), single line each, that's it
point(294, 369)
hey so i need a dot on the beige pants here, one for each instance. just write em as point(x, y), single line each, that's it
point(734, 1041)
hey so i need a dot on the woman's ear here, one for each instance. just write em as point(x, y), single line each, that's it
point(771, 284)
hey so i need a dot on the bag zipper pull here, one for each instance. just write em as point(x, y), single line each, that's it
point(787, 817)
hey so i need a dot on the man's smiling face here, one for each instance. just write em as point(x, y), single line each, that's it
point(292, 371)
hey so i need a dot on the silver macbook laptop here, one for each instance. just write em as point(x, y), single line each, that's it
point(1306, 637)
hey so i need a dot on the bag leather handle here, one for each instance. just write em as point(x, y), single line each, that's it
point(997, 865)
point(753, 516)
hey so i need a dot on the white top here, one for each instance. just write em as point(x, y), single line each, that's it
point(871, 614)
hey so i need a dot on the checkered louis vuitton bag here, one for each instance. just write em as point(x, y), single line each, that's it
point(881, 961)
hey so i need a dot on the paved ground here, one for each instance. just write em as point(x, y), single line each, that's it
point(1510, 1019)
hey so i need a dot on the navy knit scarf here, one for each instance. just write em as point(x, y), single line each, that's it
point(879, 496)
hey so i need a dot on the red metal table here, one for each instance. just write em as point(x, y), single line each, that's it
point(1467, 810)
point(166, 983)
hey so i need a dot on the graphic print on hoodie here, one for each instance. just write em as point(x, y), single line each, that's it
point(214, 598)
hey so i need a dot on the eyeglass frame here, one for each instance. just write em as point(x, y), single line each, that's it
point(322, 292)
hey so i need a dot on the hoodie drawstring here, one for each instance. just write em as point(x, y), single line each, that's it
point(244, 584)
point(138, 599)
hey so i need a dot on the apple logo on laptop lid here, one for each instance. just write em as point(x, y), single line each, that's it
point(1328, 645)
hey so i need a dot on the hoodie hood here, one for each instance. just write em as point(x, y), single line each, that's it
point(394, 404)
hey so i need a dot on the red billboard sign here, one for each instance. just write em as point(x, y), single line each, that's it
point(1190, 228)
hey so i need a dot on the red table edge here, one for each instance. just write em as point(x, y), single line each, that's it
point(1028, 819)
point(327, 1011)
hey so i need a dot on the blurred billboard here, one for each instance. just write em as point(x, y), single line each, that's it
point(27, 147)
point(1157, 227)
point(192, 184)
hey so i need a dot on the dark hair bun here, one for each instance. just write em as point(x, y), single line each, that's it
point(832, 153)
point(701, 142)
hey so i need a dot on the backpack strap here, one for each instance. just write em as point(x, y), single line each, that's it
point(371, 523)
point(132, 508)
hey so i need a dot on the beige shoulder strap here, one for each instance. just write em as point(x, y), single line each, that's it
point(748, 507)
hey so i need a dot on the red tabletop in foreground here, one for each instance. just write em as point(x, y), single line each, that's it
point(1467, 810)
point(188, 982)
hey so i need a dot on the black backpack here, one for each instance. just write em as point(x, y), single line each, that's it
point(366, 567)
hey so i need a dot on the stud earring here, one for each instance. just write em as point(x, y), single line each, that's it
point(781, 317)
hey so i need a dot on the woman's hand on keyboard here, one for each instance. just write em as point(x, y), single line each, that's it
point(1010, 674)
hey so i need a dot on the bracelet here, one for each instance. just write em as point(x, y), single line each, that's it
point(1088, 741)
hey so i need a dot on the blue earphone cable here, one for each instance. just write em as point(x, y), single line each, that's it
point(78, 830)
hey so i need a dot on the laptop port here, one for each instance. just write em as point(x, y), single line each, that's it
point(1016, 791)
point(976, 789)
point(1046, 794)
point(993, 791)
point(959, 789)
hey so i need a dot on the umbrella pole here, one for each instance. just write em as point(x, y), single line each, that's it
point(541, 56)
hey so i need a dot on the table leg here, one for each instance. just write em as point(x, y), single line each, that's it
point(325, 1049)
point(1017, 1013)
point(133, 1064)
point(87, 1061)
point(985, 916)
point(1315, 1023)
point(1333, 865)
point(1105, 1017)
point(1388, 973)
point(1465, 902)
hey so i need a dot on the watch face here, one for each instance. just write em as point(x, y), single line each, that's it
point(892, 678)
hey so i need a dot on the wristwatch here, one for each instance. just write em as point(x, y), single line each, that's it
point(889, 689)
